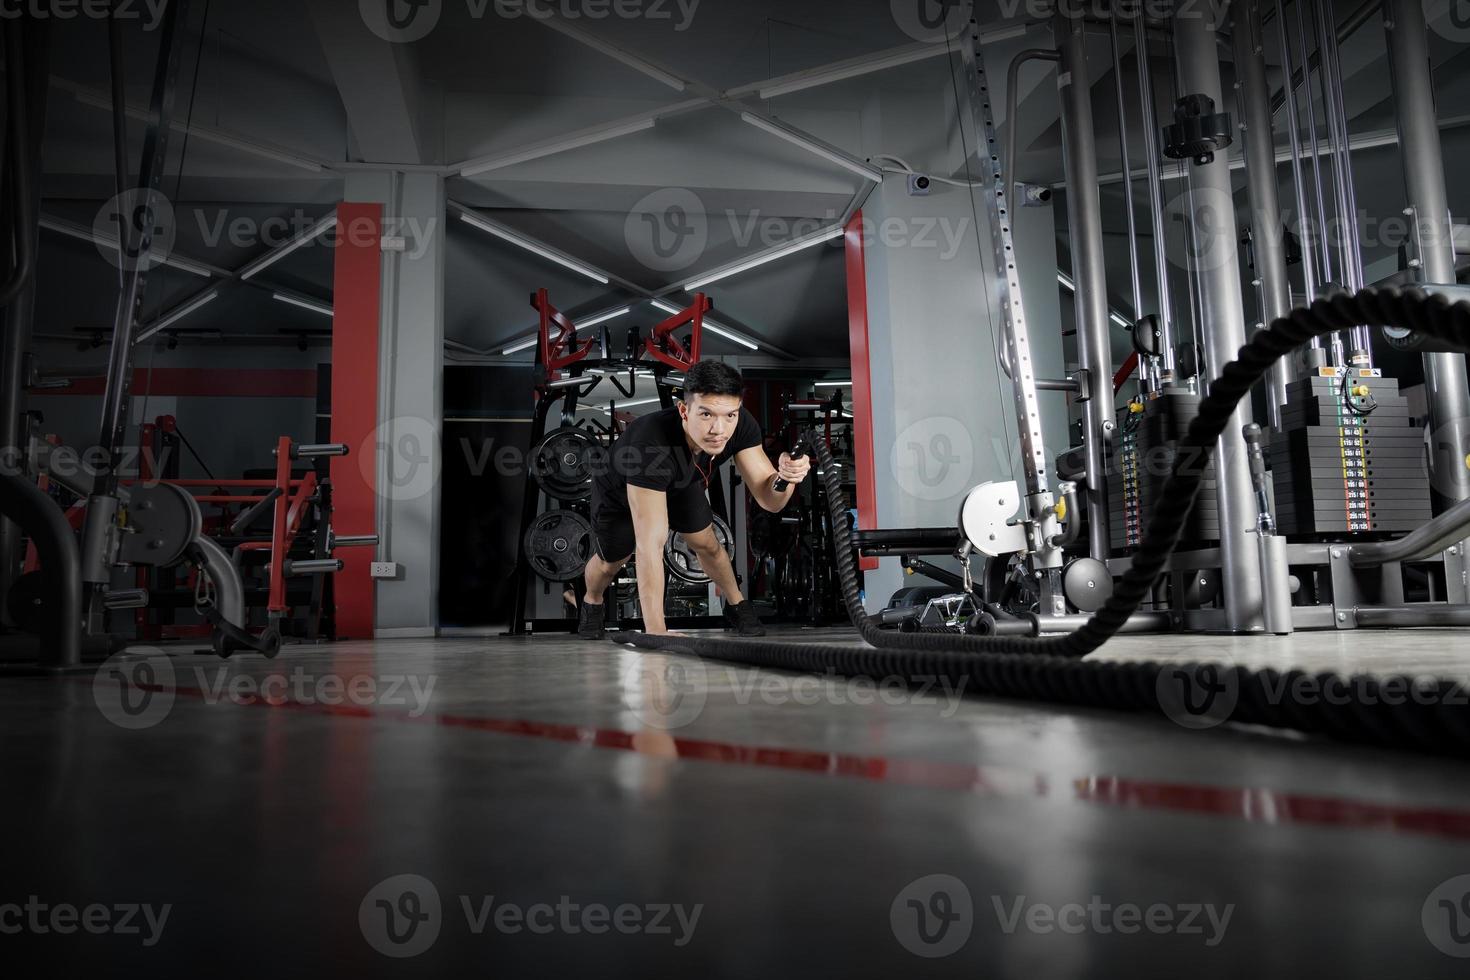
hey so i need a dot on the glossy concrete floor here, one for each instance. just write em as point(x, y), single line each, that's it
point(549, 808)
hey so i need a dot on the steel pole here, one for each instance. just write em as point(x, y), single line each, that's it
point(1260, 156)
point(1309, 278)
point(1446, 387)
point(1222, 320)
point(1155, 197)
point(1089, 269)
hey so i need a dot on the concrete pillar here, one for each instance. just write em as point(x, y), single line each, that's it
point(410, 392)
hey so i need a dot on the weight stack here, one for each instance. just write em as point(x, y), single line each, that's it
point(1142, 457)
point(1336, 470)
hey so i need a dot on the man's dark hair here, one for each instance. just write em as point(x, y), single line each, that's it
point(713, 378)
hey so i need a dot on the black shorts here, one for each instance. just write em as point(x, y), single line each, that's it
point(612, 527)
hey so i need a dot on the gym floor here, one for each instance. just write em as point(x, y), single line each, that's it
point(733, 822)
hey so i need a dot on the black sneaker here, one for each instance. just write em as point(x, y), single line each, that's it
point(589, 623)
point(743, 620)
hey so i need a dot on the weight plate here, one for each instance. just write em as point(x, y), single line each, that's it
point(564, 463)
point(558, 544)
point(684, 565)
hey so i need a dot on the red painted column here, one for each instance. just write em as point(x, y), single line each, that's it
point(862, 388)
point(357, 303)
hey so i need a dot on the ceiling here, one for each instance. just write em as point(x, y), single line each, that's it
point(286, 98)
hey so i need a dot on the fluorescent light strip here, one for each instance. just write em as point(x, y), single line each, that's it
point(586, 323)
point(834, 384)
point(99, 101)
point(321, 308)
point(561, 146)
point(605, 317)
point(266, 261)
point(711, 327)
point(477, 222)
point(178, 315)
point(1071, 287)
point(109, 242)
point(781, 253)
point(832, 156)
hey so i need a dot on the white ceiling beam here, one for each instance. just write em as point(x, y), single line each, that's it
point(100, 99)
point(375, 81)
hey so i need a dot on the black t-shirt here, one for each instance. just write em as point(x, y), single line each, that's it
point(653, 453)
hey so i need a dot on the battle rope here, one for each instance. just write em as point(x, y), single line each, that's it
point(1426, 714)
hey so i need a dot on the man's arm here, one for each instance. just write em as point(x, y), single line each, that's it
point(651, 529)
point(760, 477)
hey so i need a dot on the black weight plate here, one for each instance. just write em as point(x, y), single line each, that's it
point(684, 565)
point(558, 544)
point(564, 462)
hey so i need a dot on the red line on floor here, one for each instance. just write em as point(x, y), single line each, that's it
point(1255, 805)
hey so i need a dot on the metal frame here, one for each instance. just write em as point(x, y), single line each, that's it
point(1222, 325)
point(1267, 243)
point(1445, 380)
point(1006, 281)
point(1089, 269)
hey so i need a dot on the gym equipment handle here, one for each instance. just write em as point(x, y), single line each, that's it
point(315, 566)
point(313, 452)
point(797, 452)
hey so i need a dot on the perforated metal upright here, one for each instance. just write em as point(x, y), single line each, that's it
point(1004, 284)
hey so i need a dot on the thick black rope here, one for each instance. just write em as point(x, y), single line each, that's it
point(1398, 711)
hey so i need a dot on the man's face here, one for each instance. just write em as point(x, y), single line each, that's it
point(710, 420)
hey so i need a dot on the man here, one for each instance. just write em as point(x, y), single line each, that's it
point(658, 478)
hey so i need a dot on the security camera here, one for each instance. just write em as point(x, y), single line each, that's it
point(1034, 195)
point(919, 185)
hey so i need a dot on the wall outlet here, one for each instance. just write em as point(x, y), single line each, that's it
point(385, 570)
